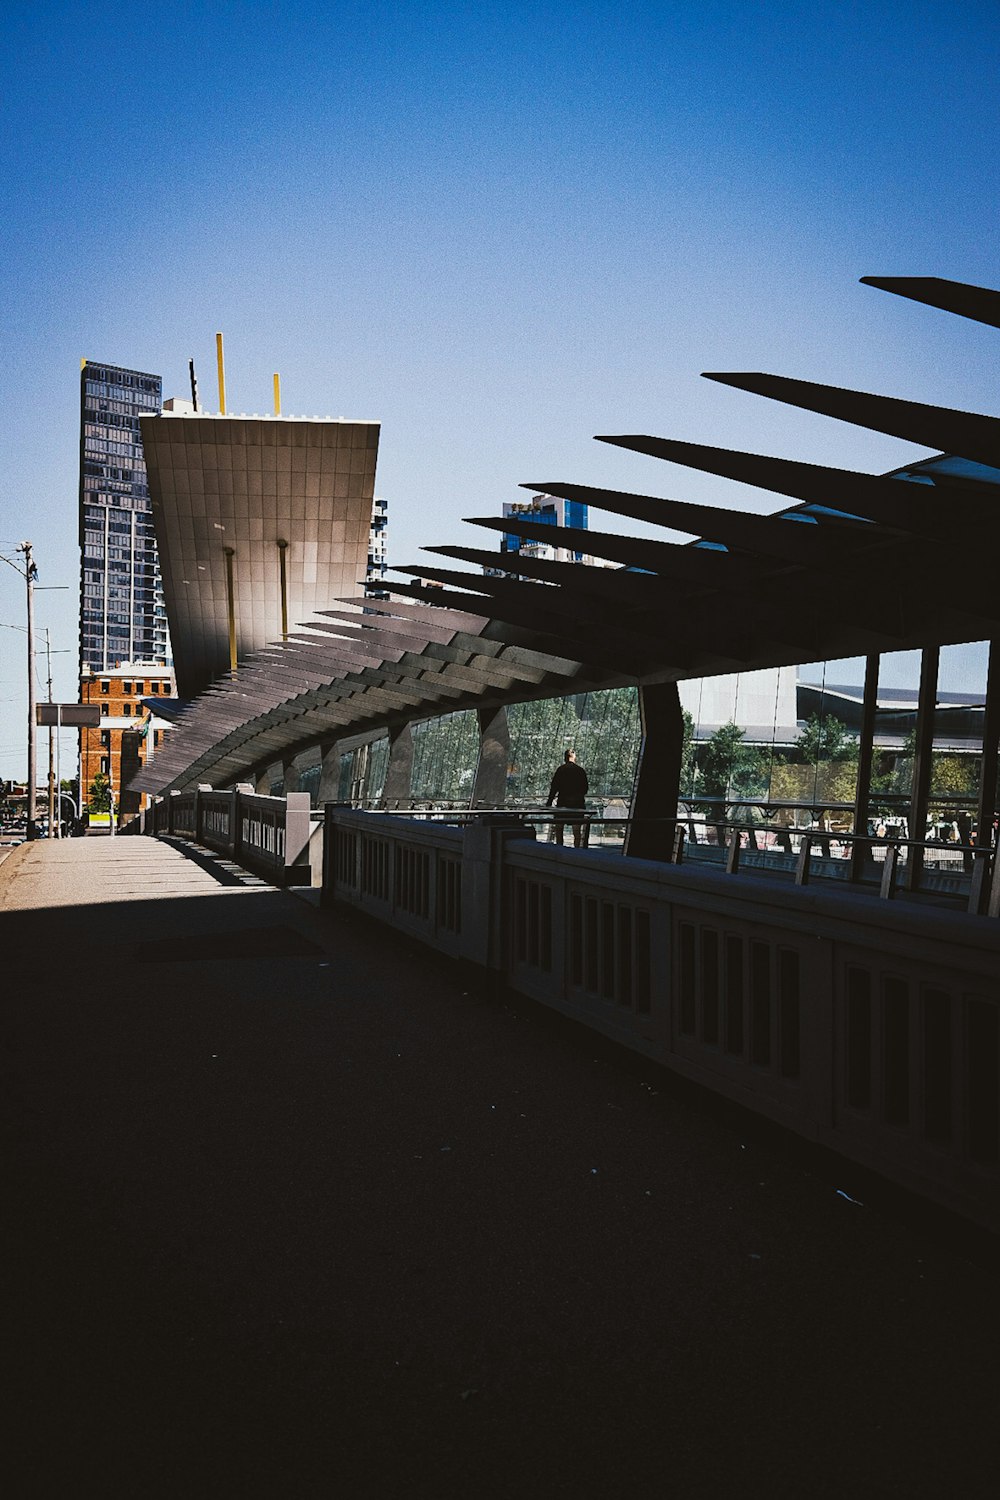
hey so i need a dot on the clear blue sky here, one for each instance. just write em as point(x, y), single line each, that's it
point(496, 229)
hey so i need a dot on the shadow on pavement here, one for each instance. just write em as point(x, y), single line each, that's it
point(298, 1210)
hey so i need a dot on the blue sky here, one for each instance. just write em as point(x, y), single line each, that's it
point(496, 229)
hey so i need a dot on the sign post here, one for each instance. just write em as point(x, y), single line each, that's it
point(69, 716)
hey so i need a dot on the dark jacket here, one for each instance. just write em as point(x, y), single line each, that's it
point(569, 786)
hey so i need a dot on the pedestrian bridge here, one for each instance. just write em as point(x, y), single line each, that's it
point(299, 1205)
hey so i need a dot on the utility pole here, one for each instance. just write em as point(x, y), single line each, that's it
point(30, 574)
point(52, 768)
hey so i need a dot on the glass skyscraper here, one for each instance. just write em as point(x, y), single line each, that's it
point(122, 613)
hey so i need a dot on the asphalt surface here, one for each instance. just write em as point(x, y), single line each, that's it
point(298, 1209)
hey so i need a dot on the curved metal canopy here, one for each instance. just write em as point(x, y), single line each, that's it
point(853, 568)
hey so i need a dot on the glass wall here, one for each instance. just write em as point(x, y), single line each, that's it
point(445, 755)
point(816, 776)
point(776, 751)
point(361, 779)
point(957, 759)
point(894, 740)
point(309, 782)
point(777, 748)
point(603, 728)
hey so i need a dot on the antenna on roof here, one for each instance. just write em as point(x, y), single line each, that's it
point(222, 374)
point(194, 384)
point(277, 394)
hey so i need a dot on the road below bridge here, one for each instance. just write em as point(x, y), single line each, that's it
point(298, 1209)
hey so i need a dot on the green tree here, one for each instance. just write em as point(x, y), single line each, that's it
point(822, 766)
point(688, 749)
point(826, 738)
point(728, 769)
point(892, 771)
point(955, 775)
point(99, 795)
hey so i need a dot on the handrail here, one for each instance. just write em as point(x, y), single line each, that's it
point(952, 871)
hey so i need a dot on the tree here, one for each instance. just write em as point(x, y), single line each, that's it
point(688, 748)
point(955, 775)
point(99, 794)
point(728, 768)
point(825, 739)
point(822, 766)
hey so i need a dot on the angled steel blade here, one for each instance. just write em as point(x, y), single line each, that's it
point(980, 303)
point(968, 434)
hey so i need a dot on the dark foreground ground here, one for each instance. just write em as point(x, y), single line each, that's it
point(298, 1210)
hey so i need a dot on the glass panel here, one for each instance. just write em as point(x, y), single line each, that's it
point(814, 778)
point(445, 753)
point(603, 729)
point(309, 782)
point(957, 759)
point(892, 758)
point(378, 766)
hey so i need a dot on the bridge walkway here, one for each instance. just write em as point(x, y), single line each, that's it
point(298, 1209)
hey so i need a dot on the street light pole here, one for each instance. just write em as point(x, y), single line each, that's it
point(52, 768)
point(30, 574)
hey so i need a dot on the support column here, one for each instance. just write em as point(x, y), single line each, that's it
point(494, 758)
point(240, 790)
point(400, 768)
point(991, 743)
point(231, 606)
point(861, 853)
point(290, 775)
point(922, 752)
point(658, 776)
point(283, 582)
point(329, 776)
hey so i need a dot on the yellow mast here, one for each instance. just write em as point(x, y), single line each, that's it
point(222, 373)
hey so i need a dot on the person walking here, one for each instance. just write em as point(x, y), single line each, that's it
point(569, 791)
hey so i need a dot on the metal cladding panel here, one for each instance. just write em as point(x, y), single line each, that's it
point(248, 483)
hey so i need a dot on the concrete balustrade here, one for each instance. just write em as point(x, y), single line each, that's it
point(268, 835)
point(870, 1027)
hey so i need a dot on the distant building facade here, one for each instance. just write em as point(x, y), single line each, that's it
point(549, 510)
point(122, 613)
point(129, 732)
point(378, 538)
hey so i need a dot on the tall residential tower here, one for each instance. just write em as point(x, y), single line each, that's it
point(122, 614)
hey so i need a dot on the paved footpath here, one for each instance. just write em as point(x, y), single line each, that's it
point(298, 1209)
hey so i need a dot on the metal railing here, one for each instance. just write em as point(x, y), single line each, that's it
point(883, 864)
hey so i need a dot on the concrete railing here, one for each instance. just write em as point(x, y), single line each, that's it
point(870, 1027)
point(269, 835)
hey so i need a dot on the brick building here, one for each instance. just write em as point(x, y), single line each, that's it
point(127, 727)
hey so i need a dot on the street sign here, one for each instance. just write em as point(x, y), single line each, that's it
point(68, 715)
